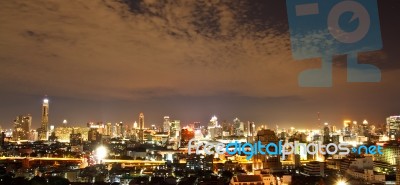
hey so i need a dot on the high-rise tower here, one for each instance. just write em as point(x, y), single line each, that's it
point(45, 120)
point(326, 132)
point(393, 127)
point(166, 124)
point(22, 126)
point(141, 120)
point(141, 127)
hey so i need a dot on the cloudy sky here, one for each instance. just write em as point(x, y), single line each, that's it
point(109, 60)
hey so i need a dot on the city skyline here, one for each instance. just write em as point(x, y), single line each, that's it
point(158, 120)
point(178, 92)
point(231, 60)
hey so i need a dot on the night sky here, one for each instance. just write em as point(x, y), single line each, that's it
point(109, 60)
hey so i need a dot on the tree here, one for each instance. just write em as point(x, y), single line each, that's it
point(226, 176)
point(19, 181)
point(89, 173)
point(38, 181)
point(58, 181)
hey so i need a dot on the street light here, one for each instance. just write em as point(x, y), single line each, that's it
point(341, 182)
point(101, 153)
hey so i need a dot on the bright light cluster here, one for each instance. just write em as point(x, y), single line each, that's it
point(341, 182)
point(101, 153)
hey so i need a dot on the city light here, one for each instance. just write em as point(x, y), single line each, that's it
point(101, 153)
point(239, 93)
point(341, 182)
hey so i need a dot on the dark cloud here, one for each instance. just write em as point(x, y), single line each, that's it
point(88, 52)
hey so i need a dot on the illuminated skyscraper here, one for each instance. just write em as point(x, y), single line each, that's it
point(393, 127)
point(22, 127)
point(141, 121)
point(326, 132)
point(238, 127)
point(347, 127)
point(364, 129)
point(122, 129)
point(108, 129)
point(141, 127)
point(260, 161)
point(213, 122)
point(63, 133)
point(389, 154)
point(45, 120)
point(175, 128)
point(251, 128)
point(119, 129)
point(214, 129)
point(166, 124)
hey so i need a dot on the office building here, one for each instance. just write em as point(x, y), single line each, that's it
point(238, 127)
point(141, 121)
point(44, 129)
point(199, 162)
point(141, 127)
point(326, 132)
point(250, 129)
point(119, 130)
point(266, 136)
point(166, 124)
point(390, 152)
point(108, 129)
point(364, 129)
point(93, 135)
point(393, 127)
point(63, 133)
point(76, 139)
point(247, 179)
point(175, 128)
point(22, 127)
point(84, 131)
point(214, 129)
point(314, 168)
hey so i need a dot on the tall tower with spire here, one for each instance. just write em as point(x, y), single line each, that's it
point(141, 127)
point(45, 120)
point(141, 120)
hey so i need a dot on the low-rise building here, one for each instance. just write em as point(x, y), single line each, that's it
point(366, 175)
point(247, 180)
point(314, 168)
